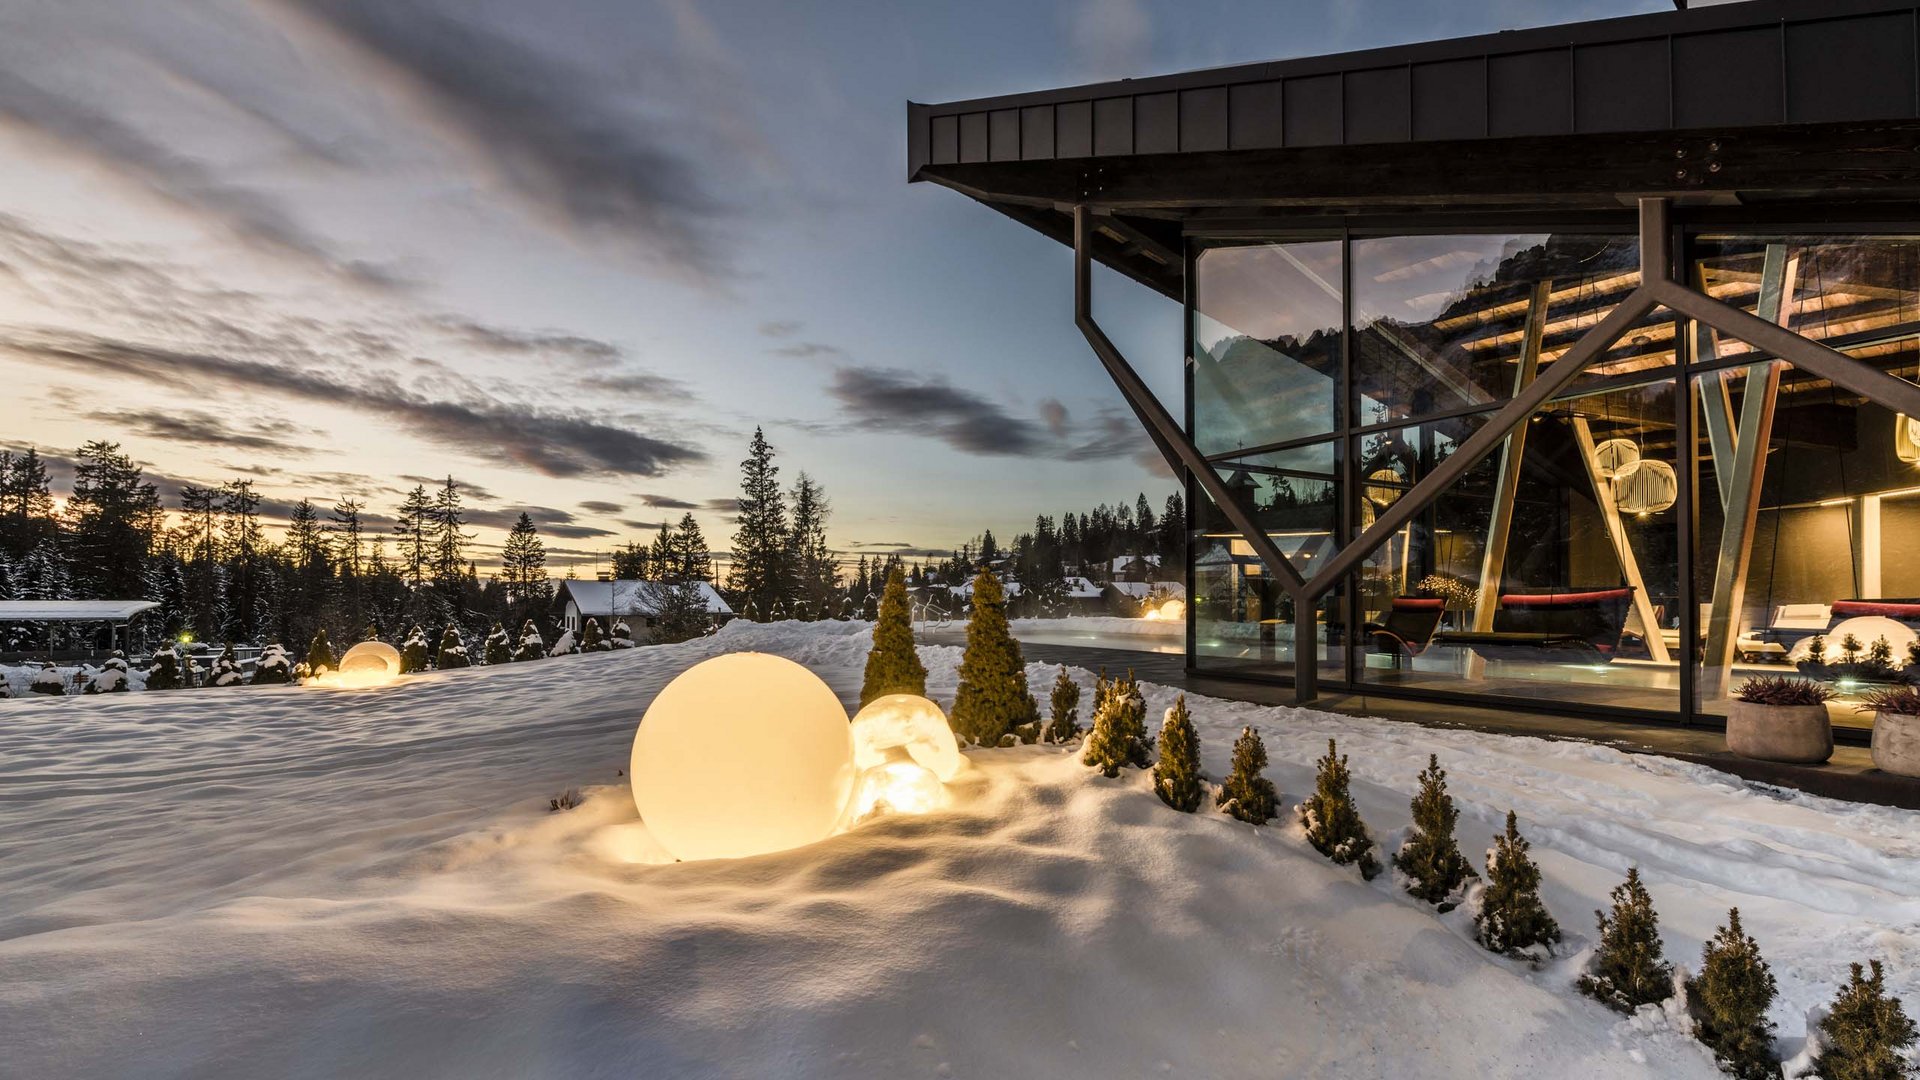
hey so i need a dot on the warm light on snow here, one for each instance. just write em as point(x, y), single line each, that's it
point(370, 663)
point(1171, 611)
point(741, 755)
point(898, 787)
point(911, 723)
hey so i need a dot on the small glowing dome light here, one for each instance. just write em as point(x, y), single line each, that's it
point(906, 722)
point(742, 754)
point(1171, 611)
point(370, 663)
point(898, 787)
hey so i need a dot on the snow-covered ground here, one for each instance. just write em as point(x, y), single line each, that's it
point(297, 882)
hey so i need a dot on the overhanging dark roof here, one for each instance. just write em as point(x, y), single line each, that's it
point(1763, 99)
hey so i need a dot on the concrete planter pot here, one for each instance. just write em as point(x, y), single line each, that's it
point(1896, 743)
point(1800, 734)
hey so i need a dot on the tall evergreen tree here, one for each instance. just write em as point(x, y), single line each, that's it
point(992, 701)
point(1332, 819)
point(1866, 1034)
point(893, 667)
point(1512, 920)
point(1248, 794)
point(687, 557)
point(523, 568)
point(450, 538)
point(1729, 1000)
point(760, 576)
point(248, 578)
point(414, 526)
point(1176, 776)
point(1436, 871)
point(1628, 970)
point(116, 520)
point(26, 504)
point(815, 576)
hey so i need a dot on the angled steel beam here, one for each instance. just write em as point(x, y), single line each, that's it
point(1493, 562)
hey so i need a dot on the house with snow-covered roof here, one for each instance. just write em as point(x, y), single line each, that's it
point(631, 600)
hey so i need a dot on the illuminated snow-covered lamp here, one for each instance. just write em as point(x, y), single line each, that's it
point(743, 754)
point(1615, 457)
point(1173, 610)
point(1648, 486)
point(897, 787)
point(370, 663)
point(906, 722)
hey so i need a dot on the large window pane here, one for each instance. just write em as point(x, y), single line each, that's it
point(1843, 289)
point(1441, 322)
point(1266, 333)
point(1550, 570)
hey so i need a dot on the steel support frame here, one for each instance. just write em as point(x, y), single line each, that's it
point(1658, 286)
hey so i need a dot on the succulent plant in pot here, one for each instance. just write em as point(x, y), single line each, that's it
point(1776, 718)
point(1896, 728)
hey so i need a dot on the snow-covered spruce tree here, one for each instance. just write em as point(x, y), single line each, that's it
point(592, 639)
point(273, 668)
point(320, 654)
point(621, 636)
point(47, 680)
point(1119, 735)
point(453, 650)
point(1865, 1034)
point(1064, 726)
point(1729, 1000)
point(1512, 921)
point(499, 649)
point(1627, 970)
point(413, 652)
point(532, 647)
point(226, 670)
point(893, 666)
point(112, 676)
point(1333, 821)
point(992, 700)
point(1176, 776)
point(1248, 795)
point(165, 672)
point(1436, 871)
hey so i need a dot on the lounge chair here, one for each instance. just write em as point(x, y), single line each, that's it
point(1570, 626)
point(1408, 626)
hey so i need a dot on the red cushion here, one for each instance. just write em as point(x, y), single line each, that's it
point(1419, 603)
point(1564, 599)
point(1895, 609)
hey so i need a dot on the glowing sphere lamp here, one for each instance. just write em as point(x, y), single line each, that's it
point(898, 787)
point(911, 723)
point(370, 663)
point(743, 754)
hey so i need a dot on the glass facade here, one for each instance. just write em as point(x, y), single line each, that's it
point(1681, 515)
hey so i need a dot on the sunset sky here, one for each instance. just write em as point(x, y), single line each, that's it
point(571, 253)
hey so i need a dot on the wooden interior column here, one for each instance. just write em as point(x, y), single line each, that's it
point(1493, 562)
point(1622, 544)
point(1740, 485)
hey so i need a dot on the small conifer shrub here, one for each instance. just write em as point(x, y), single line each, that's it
point(1436, 871)
point(1628, 969)
point(1119, 736)
point(622, 635)
point(1064, 726)
point(320, 654)
point(453, 650)
point(47, 680)
point(413, 652)
point(1248, 795)
point(1512, 921)
point(1865, 1034)
point(992, 700)
point(112, 676)
point(273, 668)
point(1780, 690)
point(1176, 776)
point(1333, 821)
point(592, 638)
point(165, 672)
point(226, 670)
point(1729, 1000)
point(893, 665)
point(499, 648)
point(532, 646)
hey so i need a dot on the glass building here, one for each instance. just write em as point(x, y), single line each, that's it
point(1571, 368)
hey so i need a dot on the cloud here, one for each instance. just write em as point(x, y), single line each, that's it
point(1055, 415)
point(598, 506)
point(247, 214)
point(547, 132)
point(197, 427)
point(551, 443)
point(887, 399)
point(507, 342)
point(808, 350)
point(468, 489)
point(648, 526)
point(668, 502)
point(779, 328)
point(640, 385)
point(724, 506)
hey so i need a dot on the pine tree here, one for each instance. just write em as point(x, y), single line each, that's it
point(992, 700)
point(1628, 970)
point(414, 525)
point(815, 576)
point(272, 668)
point(759, 574)
point(523, 567)
point(226, 670)
point(893, 666)
point(1333, 820)
point(1065, 701)
point(449, 539)
point(1865, 1034)
point(499, 648)
point(320, 654)
point(165, 672)
point(1729, 1000)
point(1176, 776)
point(413, 652)
point(621, 636)
point(592, 639)
point(1436, 871)
point(1248, 795)
point(1119, 736)
point(1512, 921)
point(532, 646)
point(453, 650)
